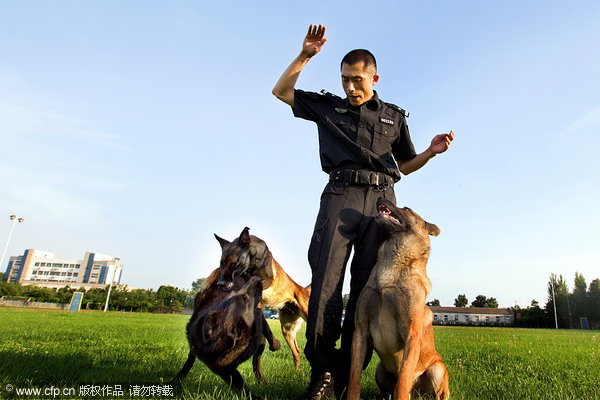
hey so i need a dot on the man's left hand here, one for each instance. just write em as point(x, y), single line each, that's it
point(440, 143)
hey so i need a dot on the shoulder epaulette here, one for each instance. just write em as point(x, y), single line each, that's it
point(400, 110)
point(326, 93)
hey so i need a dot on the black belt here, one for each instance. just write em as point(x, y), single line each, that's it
point(362, 177)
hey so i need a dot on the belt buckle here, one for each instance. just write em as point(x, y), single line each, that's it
point(374, 179)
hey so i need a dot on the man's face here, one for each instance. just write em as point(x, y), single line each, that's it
point(358, 82)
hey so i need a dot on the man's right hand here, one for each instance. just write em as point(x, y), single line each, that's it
point(314, 40)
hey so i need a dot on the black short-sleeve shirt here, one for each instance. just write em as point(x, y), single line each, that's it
point(371, 136)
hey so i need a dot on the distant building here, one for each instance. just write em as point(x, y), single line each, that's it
point(41, 268)
point(472, 316)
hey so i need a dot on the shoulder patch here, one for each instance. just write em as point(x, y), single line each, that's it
point(400, 110)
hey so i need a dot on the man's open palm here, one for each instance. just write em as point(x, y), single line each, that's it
point(314, 40)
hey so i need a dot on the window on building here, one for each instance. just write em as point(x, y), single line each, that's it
point(456, 317)
point(435, 318)
point(445, 318)
point(497, 319)
point(37, 264)
point(487, 319)
point(467, 318)
point(477, 318)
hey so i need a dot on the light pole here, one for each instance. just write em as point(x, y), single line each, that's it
point(554, 300)
point(14, 220)
point(110, 288)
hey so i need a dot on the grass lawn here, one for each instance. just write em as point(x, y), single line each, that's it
point(52, 348)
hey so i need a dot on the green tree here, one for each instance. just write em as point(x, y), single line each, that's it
point(532, 316)
point(197, 284)
point(434, 303)
point(10, 289)
point(579, 299)
point(175, 307)
point(461, 301)
point(65, 294)
point(480, 301)
point(492, 302)
point(41, 294)
point(594, 303)
point(171, 299)
point(94, 299)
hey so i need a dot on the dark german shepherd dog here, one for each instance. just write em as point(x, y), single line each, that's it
point(250, 255)
point(226, 328)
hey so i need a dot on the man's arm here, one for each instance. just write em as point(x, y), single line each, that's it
point(313, 42)
point(439, 144)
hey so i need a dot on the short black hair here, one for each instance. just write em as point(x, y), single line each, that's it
point(359, 55)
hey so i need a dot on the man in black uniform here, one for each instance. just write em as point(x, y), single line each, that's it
point(364, 145)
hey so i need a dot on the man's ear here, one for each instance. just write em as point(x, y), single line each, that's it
point(244, 239)
point(375, 79)
point(221, 241)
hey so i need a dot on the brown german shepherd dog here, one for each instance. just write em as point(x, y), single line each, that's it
point(226, 328)
point(250, 255)
point(391, 313)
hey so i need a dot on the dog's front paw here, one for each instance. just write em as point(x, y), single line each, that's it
point(275, 345)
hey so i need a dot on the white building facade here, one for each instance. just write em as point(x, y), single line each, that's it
point(42, 268)
point(472, 316)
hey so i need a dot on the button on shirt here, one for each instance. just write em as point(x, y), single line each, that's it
point(371, 136)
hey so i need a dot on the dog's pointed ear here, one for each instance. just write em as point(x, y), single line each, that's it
point(244, 239)
point(221, 241)
point(432, 229)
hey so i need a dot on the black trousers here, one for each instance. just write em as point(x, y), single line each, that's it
point(345, 221)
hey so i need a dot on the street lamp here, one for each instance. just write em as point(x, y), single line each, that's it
point(14, 220)
point(110, 288)
point(554, 300)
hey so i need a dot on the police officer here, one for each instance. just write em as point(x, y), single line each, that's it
point(364, 145)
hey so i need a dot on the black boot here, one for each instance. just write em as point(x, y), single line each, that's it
point(320, 387)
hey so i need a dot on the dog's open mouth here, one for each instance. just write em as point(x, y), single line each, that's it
point(385, 212)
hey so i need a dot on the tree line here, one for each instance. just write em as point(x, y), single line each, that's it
point(167, 299)
point(462, 301)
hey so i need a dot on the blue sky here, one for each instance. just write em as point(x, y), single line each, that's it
point(138, 129)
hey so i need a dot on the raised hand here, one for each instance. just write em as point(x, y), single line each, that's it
point(440, 143)
point(314, 40)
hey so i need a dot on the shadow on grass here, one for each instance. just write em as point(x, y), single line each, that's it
point(74, 369)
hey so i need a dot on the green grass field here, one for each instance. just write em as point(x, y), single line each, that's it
point(50, 348)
